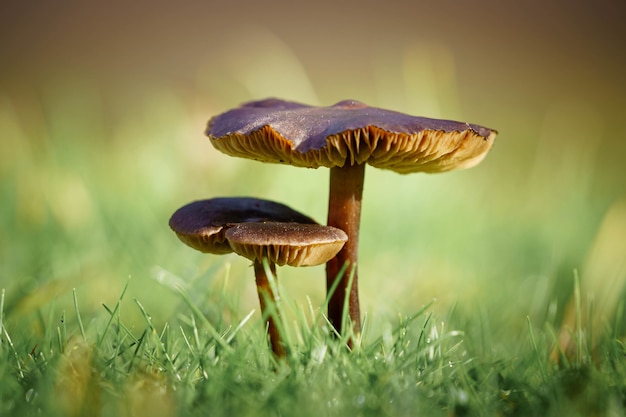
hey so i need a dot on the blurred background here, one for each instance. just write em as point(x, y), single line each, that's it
point(103, 107)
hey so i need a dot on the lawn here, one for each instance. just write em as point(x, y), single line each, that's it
point(466, 280)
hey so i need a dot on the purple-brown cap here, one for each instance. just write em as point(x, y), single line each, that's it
point(348, 132)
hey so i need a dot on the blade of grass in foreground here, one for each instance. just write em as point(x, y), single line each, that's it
point(114, 314)
point(1, 311)
point(80, 321)
point(375, 344)
point(159, 340)
point(536, 352)
point(212, 331)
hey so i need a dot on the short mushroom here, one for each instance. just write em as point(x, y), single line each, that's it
point(293, 244)
point(344, 137)
point(258, 229)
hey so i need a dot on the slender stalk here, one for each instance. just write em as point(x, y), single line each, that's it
point(267, 296)
point(344, 212)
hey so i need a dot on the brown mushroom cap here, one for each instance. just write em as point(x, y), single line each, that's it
point(293, 244)
point(348, 132)
point(202, 224)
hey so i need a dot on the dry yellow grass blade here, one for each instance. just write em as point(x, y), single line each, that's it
point(601, 284)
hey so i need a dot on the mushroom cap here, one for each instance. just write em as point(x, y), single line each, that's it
point(293, 244)
point(348, 132)
point(202, 224)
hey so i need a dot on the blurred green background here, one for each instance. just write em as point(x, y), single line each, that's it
point(103, 107)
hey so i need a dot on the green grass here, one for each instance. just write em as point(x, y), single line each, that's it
point(465, 277)
point(191, 366)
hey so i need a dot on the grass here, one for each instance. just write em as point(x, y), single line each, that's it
point(190, 366)
point(103, 312)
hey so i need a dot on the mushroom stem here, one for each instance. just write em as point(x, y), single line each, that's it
point(266, 299)
point(344, 212)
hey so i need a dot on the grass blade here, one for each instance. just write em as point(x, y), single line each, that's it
point(211, 330)
point(78, 318)
point(537, 353)
point(114, 314)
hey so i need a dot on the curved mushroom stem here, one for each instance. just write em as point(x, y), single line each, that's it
point(344, 212)
point(267, 296)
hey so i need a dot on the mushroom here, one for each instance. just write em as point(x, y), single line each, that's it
point(293, 244)
point(344, 137)
point(258, 229)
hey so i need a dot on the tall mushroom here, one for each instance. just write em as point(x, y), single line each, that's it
point(258, 229)
point(344, 137)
